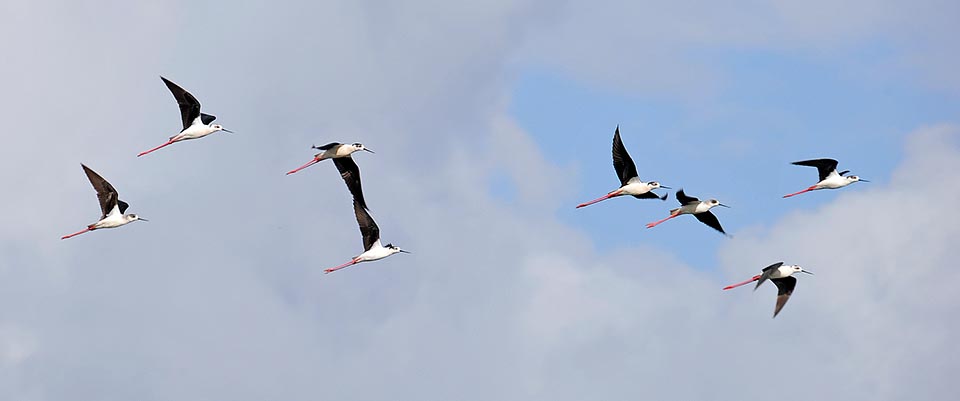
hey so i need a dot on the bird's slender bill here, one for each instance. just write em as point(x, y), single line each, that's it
point(863, 180)
point(720, 204)
point(308, 164)
point(333, 269)
point(403, 251)
point(142, 219)
point(804, 271)
point(368, 150)
point(226, 130)
point(156, 148)
point(752, 279)
point(665, 187)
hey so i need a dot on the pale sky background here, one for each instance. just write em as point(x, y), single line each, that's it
point(491, 120)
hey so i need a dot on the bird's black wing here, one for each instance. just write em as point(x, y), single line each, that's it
point(710, 220)
point(622, 162)
point(368, 227)
point(684, 199)
point(327, 146)
point(206, 119)
point(785, 288)
point(351, 176)
point(650, 195)
point(106, 194)
point(189, 105)
point(122, 205)
point(824, 166)
point(767, 271)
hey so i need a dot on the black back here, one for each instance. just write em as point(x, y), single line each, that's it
point(824, 166)
point(106, 194)
point(368, 227)
point(622, 162)
point(767, 271)
point(350, 173)
point(327, 146)
point(189, 105)
point(684, 199)
point(710, 220)
point(785, 288)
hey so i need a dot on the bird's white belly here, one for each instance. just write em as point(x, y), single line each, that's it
point(111, 221)
point(343, 151)
point(834, 183)
point(635, 188)
point(374, 254)
point(701, 207)
point(194, 132)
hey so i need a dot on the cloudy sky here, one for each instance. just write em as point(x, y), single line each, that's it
point(491, 120)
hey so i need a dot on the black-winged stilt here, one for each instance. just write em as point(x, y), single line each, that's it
point(779, 274)
point(348, 168)
point(829, 177)
point(372, 250)
point(696, 207)
point(195, 124)
point(630, 183)
point(111, 206)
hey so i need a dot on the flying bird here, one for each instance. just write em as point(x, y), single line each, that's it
point(372, 250)
point(630, 183)
point(779, 274)
point(111, 206)
point(195, 124)
point(348, 168)
point(829, 177)
point(696, 207)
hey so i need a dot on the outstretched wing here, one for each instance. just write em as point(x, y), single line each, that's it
point(350, 173)
point(824, 166)
point(785, 288)
point(622, 162)
point(767, 271)
point(710, 220)
point(650, 195)
point(684, 199)
point(206, 119)
point(189, 105)
point(368, 227)
point(327, 146)
point(106, 194)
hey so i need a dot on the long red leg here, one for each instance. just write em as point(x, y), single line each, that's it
point(812, 187)
point(333, 269)
point(754, 278)
point(158, 147)
point(605, 197)
point(77, 233)
point(654, 224)
point(310, 163)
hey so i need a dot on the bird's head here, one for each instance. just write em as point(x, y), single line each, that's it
point(395, 249)
point(133, 217)
point(655, 185)
point(359, 146)
point(714, 202)
point(218, 127)
point(798, 269)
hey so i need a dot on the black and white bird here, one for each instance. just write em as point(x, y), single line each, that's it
point(630, 183)
point(111, 206)
point(829, 177)
point(696, 207)
point(779, 274)
point(348, 168)
point(372, 249)
point(195, 124)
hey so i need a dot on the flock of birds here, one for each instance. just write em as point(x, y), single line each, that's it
point(198, 125)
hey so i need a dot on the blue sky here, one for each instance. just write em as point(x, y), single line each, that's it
point(735, 143)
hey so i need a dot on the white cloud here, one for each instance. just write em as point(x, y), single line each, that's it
point(221, 295)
